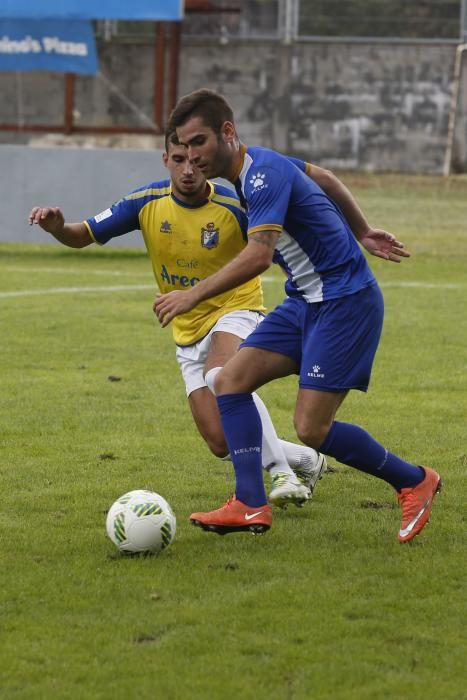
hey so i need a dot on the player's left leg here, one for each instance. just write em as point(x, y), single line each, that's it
point(350, 444)
point(338, 354)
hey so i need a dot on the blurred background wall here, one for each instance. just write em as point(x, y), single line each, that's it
point(364, 106)
point(372, 85)
point(366, 85)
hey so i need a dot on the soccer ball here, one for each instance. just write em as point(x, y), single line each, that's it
point(141, 521)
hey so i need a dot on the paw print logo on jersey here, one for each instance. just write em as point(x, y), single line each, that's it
point(258, 180)
point(316, 368)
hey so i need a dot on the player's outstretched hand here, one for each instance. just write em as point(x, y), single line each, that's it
point(50, 219)
point(167, 306)
point(384, 245)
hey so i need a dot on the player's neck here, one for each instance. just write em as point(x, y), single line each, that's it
point(194, 198)
point(236, 164)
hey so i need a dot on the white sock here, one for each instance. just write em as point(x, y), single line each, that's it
point(295, 453)
point(273, 455)
point(209, 378)
point(274, 458)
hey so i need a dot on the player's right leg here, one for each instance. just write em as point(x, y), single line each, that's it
point(243, 431)
point(286, 486)
point(231, 516)
point(235, 516)
point(244, 435)
point(279, 457)
point(220, 344)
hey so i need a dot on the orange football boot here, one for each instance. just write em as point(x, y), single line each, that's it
point(416, 504)
point(235, 516)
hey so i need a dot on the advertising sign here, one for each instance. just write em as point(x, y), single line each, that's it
point(48, 45)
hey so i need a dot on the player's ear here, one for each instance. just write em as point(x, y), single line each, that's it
point(165, 158)
point(228, 132)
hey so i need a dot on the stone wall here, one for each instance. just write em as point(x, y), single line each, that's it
point(366, 106)
point(348, 106)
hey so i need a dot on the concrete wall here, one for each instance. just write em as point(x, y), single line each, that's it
point(82, 182)
point(349, 106)
point(343, 105)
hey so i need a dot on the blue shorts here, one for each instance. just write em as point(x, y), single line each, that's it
point(332, 342)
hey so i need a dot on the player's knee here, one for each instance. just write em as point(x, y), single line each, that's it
point(232, 380)
point(223, 383)
point(311, 432)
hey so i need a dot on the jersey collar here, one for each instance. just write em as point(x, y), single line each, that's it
point(199, 204)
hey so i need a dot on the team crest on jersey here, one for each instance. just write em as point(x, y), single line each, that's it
point(166, 227)
point(210, 236)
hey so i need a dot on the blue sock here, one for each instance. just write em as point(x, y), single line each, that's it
point(352, 445)
point(244, 435)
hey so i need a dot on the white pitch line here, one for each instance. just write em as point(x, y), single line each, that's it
point(423, 285)
point(76, 290)
point(74, 271)
point(138, 287)
point(264, 278)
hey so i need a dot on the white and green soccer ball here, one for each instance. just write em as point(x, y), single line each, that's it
point(141, 521)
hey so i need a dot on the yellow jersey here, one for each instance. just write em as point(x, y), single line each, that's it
point(185, 243)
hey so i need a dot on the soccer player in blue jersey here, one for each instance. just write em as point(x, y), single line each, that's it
point(327, 330)
point(191, 228)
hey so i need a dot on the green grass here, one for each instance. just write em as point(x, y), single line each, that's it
point(327, 605)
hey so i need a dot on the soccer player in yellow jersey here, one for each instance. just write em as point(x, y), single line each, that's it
point(191, 228)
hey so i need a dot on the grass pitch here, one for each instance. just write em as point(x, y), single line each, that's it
point(327, 605)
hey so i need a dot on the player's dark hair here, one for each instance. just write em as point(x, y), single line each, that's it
point(212, 107)
point(171, 137)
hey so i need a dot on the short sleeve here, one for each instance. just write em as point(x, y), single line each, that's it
point(301, 165)
point(119, 219)
point(267, 193)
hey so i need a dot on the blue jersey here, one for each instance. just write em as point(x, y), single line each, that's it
point(316, 247)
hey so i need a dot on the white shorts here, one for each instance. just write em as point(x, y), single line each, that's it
point(192, 358)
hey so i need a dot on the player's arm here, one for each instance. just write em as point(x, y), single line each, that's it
point(254, 259)
point(341, 195)
point(51, 219)
point(376, 241)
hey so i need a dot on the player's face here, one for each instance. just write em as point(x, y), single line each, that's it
point(188, 182)
point(211, 153)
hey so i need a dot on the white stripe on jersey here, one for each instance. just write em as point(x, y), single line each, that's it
point(302, 271)
point(247, 162)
